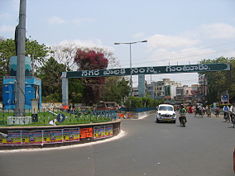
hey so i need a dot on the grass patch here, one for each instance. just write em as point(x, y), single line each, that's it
point(45, 117)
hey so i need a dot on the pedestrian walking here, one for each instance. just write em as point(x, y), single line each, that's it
point(217, 111)
point(208, 111)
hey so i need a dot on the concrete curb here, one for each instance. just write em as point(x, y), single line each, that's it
point(53, 136)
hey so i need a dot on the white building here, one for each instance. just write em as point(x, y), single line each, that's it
point(162, 89)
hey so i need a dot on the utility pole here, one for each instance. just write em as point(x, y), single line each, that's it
point(20, 72)
point(131, 43)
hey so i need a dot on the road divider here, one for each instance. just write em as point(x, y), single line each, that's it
point(48, 136)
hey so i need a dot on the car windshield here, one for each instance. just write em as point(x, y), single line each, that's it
point(165, 108)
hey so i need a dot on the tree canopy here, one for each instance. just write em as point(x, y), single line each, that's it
point(91, 60)
point(220, 81)
point(115, 89)
point(37, 52)
point(50, 74)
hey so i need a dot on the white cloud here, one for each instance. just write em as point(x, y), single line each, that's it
point(166, 41)
point(4, 15)
point(218, 31)
point(7, 28)
point(185, 48)
point(82, 43)
point(78, 21)
point(56, 20)
point(228, 53)
point(82, 20)
point(138, 35)
point(212, 31)
point(181, 56)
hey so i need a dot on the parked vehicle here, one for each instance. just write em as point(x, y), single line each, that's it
point(165, 113)
point(104, 105)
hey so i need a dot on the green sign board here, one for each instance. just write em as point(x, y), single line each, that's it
point(147, 70)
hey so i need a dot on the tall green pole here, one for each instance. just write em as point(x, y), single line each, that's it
point(20, 72)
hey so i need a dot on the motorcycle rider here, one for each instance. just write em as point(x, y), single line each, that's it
point(226, 113)
point(182, 112)
point(232, 113)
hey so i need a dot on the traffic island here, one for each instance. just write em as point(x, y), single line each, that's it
point(51, 136)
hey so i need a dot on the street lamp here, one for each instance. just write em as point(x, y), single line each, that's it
point(130, 43)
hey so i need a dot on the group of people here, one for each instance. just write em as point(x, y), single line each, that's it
point(199, 110)
point(228, 110)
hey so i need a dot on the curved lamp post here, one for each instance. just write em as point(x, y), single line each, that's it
point(130, 43)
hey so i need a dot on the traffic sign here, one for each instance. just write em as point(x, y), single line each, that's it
point(225, 98)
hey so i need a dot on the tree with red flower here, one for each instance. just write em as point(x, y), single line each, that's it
point(91, 60)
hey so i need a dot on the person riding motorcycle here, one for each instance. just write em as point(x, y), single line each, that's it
point(182, 112)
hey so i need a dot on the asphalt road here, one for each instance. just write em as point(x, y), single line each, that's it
point(203, 148)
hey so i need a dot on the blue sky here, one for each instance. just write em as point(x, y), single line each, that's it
point(178, 31)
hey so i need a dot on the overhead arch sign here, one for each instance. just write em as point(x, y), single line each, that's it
point(141, 71)
point(147, 70)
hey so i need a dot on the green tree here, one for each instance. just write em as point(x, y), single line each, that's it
point(50, 74)
point(220, 81)
point(142, 102)
point(115, 89)
point(7, 49)
point(76, 90)
point(36, 51)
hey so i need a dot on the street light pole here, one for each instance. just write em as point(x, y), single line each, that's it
point(130, 43)
point(131, 71)
point(20, 73)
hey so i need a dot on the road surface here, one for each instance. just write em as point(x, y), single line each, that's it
point(203, 148)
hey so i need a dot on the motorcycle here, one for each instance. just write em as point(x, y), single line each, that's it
point(233, 118)
point(226, 117)
point(182, 120)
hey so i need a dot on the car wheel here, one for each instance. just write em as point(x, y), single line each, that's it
point(174, 121)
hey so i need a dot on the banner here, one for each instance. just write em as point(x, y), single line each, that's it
point(99, 132)
point(147, 70)
point(131, 115)
point(108, 130)
point(52, 136)
point(102, 131)
point(86, 133)
point(32, 137)
point(13, 138)
point(71, 134)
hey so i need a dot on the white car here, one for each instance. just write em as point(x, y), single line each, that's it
point(165, 113)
